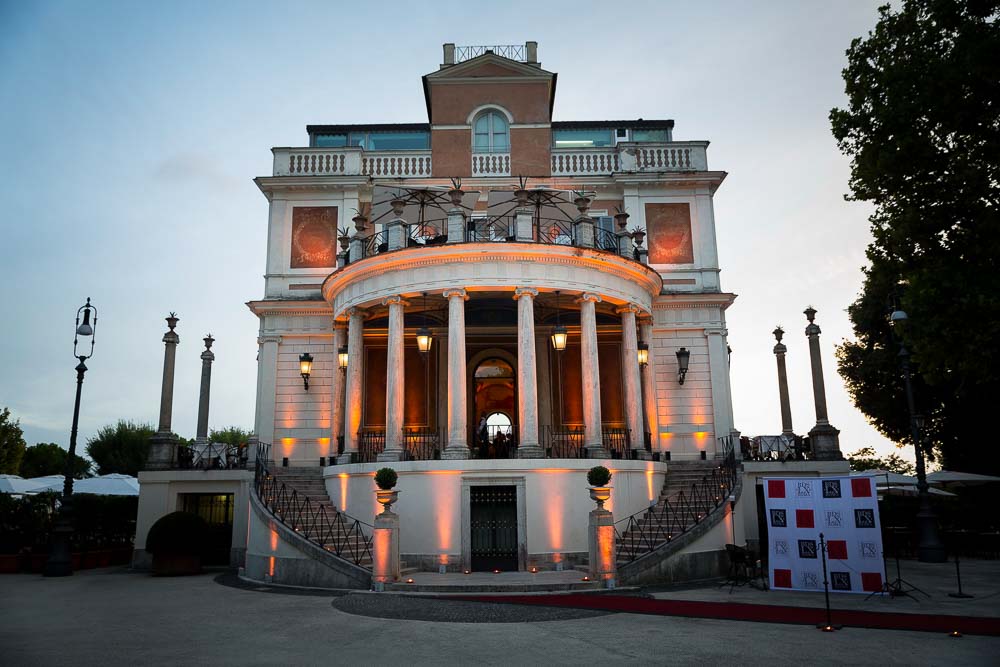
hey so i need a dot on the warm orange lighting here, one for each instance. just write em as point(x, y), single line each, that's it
point(650, 491)
point(381, 543)
point(409, 581)
point(534, 570)
point(270, 567)
point(424, 339)
point(559, 338)
point(954, 633)
point(274, 541)
point(342, 358)
point(496, 571)
point(305, 368)
point(585, 578)
point(343, 492)
point(466, 572)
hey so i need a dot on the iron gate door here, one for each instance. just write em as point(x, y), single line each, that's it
point(493, 512)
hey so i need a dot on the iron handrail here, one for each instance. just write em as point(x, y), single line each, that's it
point(329, 529)
point(212, 456)
point(605, 239)
point(647, 530)
point(375, 244)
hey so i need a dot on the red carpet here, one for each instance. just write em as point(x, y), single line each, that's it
point(736, 611)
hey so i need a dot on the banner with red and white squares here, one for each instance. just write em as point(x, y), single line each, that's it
point(845, 511)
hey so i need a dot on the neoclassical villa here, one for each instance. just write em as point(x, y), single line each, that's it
point(489, 302)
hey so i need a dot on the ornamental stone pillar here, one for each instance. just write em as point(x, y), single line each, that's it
point(458, 432)
point(527, 375)
point(648, 387)
point(823, 438)
point(207, 357)
point(163, 443)
point(337, 392)
point(395, 382)
point(786, 407)
point(267, 382)
point(353, 382)
point(633, 390)
point(593, 438)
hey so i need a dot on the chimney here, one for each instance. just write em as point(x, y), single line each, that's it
point(449, 55)
point(531, 53)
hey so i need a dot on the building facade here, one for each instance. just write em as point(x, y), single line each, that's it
point(491, 302)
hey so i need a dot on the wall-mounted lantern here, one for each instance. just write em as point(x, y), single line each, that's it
point(342, 358)
point(305, 368)
point(683, 358)
point(643, 352)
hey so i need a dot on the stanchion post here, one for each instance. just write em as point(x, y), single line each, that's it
point(828, 626)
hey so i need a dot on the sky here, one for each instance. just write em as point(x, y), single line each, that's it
point(131, 133)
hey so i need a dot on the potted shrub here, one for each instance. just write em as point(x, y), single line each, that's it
point(176, 542)
point(598, 478)
point(385, 479)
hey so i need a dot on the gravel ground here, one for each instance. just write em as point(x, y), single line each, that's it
point(453, 611)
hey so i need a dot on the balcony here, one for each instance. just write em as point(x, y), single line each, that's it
point(675, 156)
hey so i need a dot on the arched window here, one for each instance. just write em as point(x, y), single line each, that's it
point(490, 133)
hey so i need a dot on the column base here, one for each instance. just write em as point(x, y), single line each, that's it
point(530, 452)
point(162, 451)
point(390, 455)
point(596, 452)
point(455, 453)
point(642, 455)
point(345, 458)
point(825, 442)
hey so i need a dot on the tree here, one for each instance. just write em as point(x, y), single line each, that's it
point(922, 127)
point(231, 435)
point(11, 444)
point(867, 459)
point(48, 458)
point(120, 448)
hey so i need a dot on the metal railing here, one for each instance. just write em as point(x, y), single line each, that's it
point(617, 441)
point(562, 442)
point(423, 234)
point(491, 230)
point(555, 232)
point(775, 448)
point(324, 526)
point(421, 443)
point(371, 443)
point(375, 244)
point(605, 239)
point(212, 456)
point(516, 52)
point(645, 531)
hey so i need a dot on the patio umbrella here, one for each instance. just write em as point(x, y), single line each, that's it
point(425, 209)
point(105, 485)
point(553, 211)
point(910, 491)
point(947, 477)
point(885, 477)
point(16, 484)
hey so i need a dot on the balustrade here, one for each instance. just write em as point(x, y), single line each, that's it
point(491, 164)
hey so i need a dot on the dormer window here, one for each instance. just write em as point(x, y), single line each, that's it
point(491, 133)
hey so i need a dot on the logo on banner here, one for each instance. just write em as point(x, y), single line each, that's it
point(831, 488)
point(841, 581)
point(864, 518)
point(780, 548)
point(779, 519)
point(869, 550)
point(807, 548)
point(833, 518)
point(810, 580)
point(804, 489)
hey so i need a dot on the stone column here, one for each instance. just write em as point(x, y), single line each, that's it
point(267, 362)
point(718, 364)
point(527, 375)
point(786, 408)
point(353, 382)
point(823, 438)
point(337, 391)
point(633, 387)
point(458, 432)
point(648, 386)
point(163, 443)
point(593, 439)
point(395, 382)
point(207, 357)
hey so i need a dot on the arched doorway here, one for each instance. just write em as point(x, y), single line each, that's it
point(495, 403)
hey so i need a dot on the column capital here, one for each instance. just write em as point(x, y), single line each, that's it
point(629, 308)
point(393, 300)
point(268, 338)
point(589, 296)
point(716, 331)
point(645, 318)
point(355, 312)
point(457, 292)
point(780, 348)
point(525, 291)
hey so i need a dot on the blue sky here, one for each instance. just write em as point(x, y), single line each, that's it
point(131, 133)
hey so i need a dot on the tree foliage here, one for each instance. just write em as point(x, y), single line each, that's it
point(12, 444)
point(120, 448)
point(231, 435)
point(867, 458)
point(922, 127)
point(48, 458)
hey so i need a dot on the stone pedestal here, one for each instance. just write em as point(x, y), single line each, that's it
point(584, 232)
point(397, 234)
point(523, 231)
point(601, 547)
point(357, 248)
point(824, 440)
point(456, 226)
point(385, 550)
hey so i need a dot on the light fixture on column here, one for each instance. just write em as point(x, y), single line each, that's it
point(559, 335)
point(424, 336)
point(305, 368)
point(683, 358)
point(643, 352)
point(342, 358)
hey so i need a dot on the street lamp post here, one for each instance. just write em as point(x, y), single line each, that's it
point(60, 563)
point(929, 546)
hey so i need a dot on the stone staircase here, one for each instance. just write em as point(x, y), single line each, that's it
point(651, 528)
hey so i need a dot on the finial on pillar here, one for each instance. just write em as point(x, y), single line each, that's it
point(779, 333)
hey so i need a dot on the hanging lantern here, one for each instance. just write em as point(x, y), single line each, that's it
point(559, 337)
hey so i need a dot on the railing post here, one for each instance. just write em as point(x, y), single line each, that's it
point(357, 248)
point(523, 232)
point(456, 226)
point(396, 234)
point(584, 231)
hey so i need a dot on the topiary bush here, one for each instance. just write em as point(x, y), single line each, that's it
point(598, 476)
point(386, 478)
point(177, 542)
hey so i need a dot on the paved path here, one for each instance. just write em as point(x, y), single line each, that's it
point(114, 617)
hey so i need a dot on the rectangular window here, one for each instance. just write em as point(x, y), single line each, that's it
point(330, 140)
point(390, 141)
point(582, 138)
point(660, 136)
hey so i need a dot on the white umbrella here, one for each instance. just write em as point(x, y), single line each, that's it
point(959, 478)
point(105, 485)
point(884, 477)
point(911, 491)
point(17, 485)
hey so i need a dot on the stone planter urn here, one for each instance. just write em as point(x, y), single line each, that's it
point(360, 222)
point(600, 495)
point(397, 207)
point(521, 196)
point(455, 194)
point(639, 236)
point(621, 219)
point(387, 497)
point(582, 204)
point(345, 241)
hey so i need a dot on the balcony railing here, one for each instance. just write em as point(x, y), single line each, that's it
point(351, 161)
point(491, 164)
point(630, 157)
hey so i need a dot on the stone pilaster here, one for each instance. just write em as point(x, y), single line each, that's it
point(207, 357)
point(718, 364)
point(395, 382)
point(163, 443)
point(593, 439)
point(267, 373)
point(648, 385)
point(786, 406)
point(527, 375)
point(337, 390)
point(633, 386)
point(458, 432)
point(823, 438)
point(353, 383)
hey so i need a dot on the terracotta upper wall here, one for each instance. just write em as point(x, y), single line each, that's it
point(451, 153)
point(451, 104)
point(531, 151)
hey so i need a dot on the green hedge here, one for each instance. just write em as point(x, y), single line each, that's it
point(99, 522)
